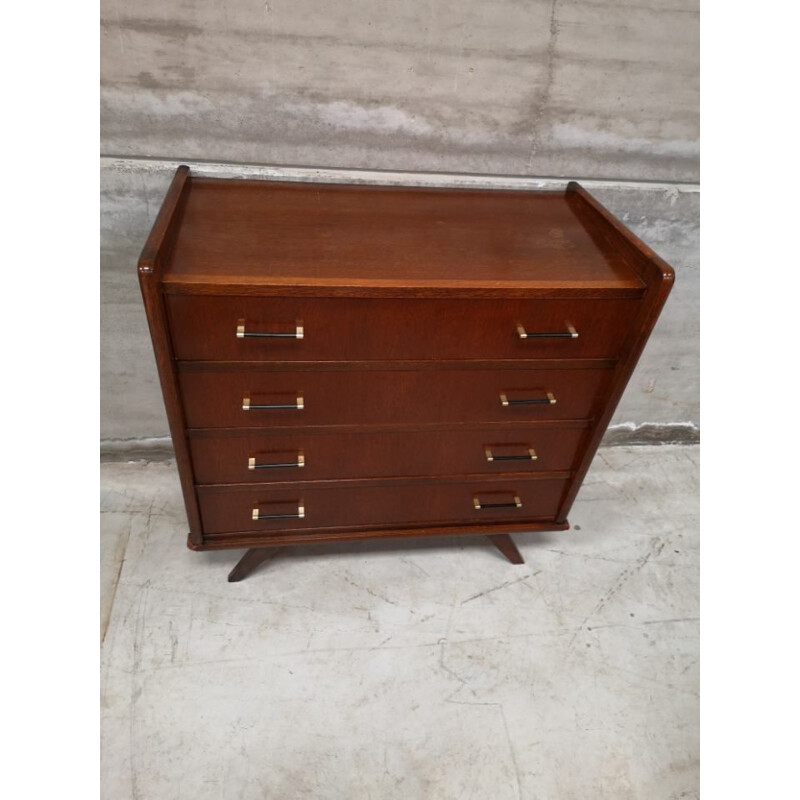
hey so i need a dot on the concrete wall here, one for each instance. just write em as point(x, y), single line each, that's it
point(531, 87)
point(519, 89)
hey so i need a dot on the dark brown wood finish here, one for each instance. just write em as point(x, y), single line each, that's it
point(155, 254)
point(338, 454)
point(378, 504)
point(505, 544)
point(215, 399)
point(253, 233)
point(349, 329)
point(226, 541)
point(659, 278)
point(411, 303)
point(249, 561)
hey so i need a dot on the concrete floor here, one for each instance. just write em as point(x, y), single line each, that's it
point(414, 670)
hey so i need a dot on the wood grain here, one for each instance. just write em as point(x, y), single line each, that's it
point(150, 266)
point(214, 399)
point(659, 277)
point(362, 453)
point(377, 504)
point(254, 233)
point(362, 329)
point(410, 301)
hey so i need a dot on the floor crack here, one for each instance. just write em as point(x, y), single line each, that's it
point(501, 586)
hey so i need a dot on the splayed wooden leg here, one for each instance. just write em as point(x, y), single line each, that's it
point(505, 544)
point(249, 561)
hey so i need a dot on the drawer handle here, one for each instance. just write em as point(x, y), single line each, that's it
point(529, 456)
point(548, 399)
point(476, 501)
point(241, 333)
point(301, 462)
point(301, 512)
point(569, 333)
point(298, 406)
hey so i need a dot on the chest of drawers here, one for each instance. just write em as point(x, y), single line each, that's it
point(352, 362)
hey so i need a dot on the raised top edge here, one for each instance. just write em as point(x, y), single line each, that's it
point(155, 250)
point(558, 191)
point(333, 237)
point(650, 265)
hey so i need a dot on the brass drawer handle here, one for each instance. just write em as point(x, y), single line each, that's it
point(297, 406)
point(301, 512)
point(530, 455)
point(479, 506)
point(548, 399)
point(301, 462)
point(242, 333)
point(569, 333)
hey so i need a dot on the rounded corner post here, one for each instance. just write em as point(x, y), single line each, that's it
point(162, 233)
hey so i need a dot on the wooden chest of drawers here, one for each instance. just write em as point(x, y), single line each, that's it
point(349, 362)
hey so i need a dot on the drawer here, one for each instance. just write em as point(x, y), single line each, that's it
point(308, 455)
point(296, 507)
point(204, 328)
point(217, 399)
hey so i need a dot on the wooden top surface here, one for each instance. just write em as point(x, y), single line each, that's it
point(263, 233)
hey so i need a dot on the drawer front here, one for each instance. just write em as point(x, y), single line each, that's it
point(208, 328)
point(214, 399)
point(298, 507)
point(308, 455)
